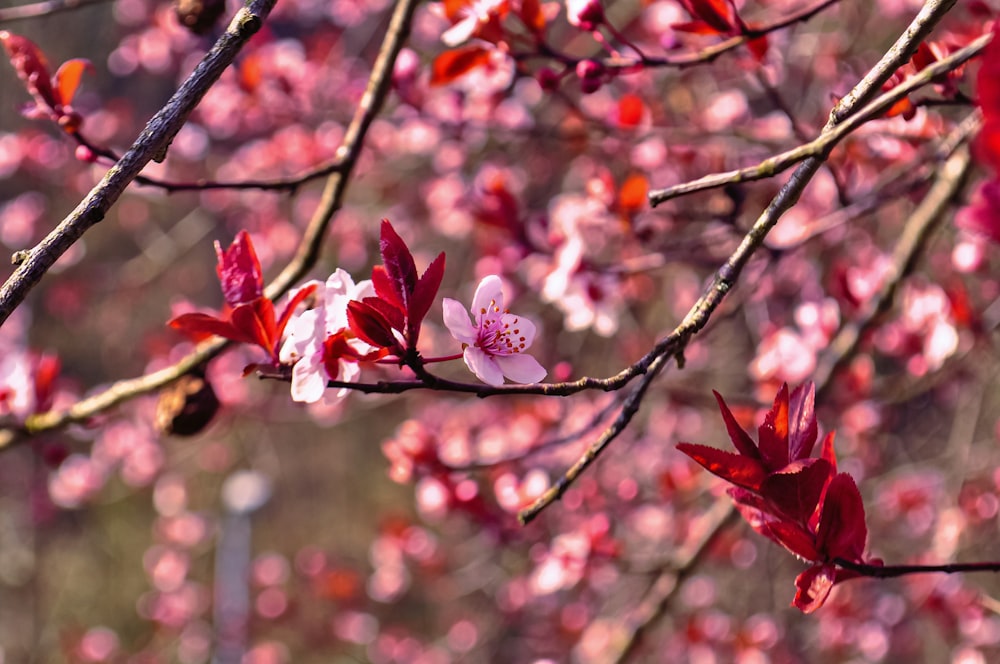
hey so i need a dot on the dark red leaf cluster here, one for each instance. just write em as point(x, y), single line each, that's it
point(719, 17)
point(982, 216)
point(392, 318)
point(799, 501)
point(52, 95)
point(249, 316)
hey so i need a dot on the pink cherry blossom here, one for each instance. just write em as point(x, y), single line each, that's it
point(308, 330)
point(495, 344)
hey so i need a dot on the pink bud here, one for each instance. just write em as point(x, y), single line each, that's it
point(547, 79)
point(585, 14)
point(589, 73)
point(85, 154)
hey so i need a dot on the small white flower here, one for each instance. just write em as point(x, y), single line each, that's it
point(307, 331)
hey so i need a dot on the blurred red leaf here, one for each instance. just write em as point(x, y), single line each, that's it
point(455, 63)
point(67, 78)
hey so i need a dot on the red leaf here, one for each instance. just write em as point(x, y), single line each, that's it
point(395, 317)
point(630, 110)
point(424, 294)
point(530, 13)
point(67, 79)
point(199, 326)
point(796, 491)
point(787, 534)
point(256, 321)
point(717, 14)
point(369, 325)
point(813, 586)
point(399, 265)
point(758, 47)
point(286, 315)
point(740, 470)
point(239, 271)
point(455, 63)
point(46, 372)
point(826, 450)
point(803, 429)
point(772, 435)
point(982, 215)
point(988, 78)
point(632, 195)
point(842, 531)
point(384, 288)
point(741, 439)
point(697, 28)
point(30, 64)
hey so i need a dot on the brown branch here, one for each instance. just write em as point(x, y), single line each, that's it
point(660, 593)
point(308, 252)
point(893, 571)
point(46, 8)
point(830, 137)
point(703, 56)
point(289, 184)
point(154, 140)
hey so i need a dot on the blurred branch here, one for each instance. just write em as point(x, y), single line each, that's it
point(154, 140)
point(830, 137)
point(893, 571)
point(703, 56)
point(308, 251)
point(917, 233)
point(39, 9)
point(660, 593)
point(286, 184)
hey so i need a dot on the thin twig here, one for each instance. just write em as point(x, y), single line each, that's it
point(829, 138)
point(46, 8)
point(660, 593)
point(305, 258)
point(154, 140)
point(917, 233)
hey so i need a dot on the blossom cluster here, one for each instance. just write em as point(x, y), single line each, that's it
point(343, 324)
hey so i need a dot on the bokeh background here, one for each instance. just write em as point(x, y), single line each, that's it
point(383, 528)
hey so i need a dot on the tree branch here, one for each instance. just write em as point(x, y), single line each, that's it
point(308, 252)
point(829, 138)
point(39, 9)
point(154, 140)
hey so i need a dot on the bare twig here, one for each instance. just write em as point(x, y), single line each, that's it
point(39, 9)
point(662, 590)
point(153, 140)
point(829, 138)
point(922, 224)
point(368, 109)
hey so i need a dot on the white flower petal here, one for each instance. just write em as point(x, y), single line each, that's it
point(521, 368)
point(456, 319)
point(483, 365)
point(490, 289)
point(308, 380)
point(301, 337)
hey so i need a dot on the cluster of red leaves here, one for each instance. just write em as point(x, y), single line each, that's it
point(720, 18)
point(391, 320)
point(927, 54)
point(486, 23)
point(982, 215)
point(249, 315)
point(800, 502)
point(52, 94)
